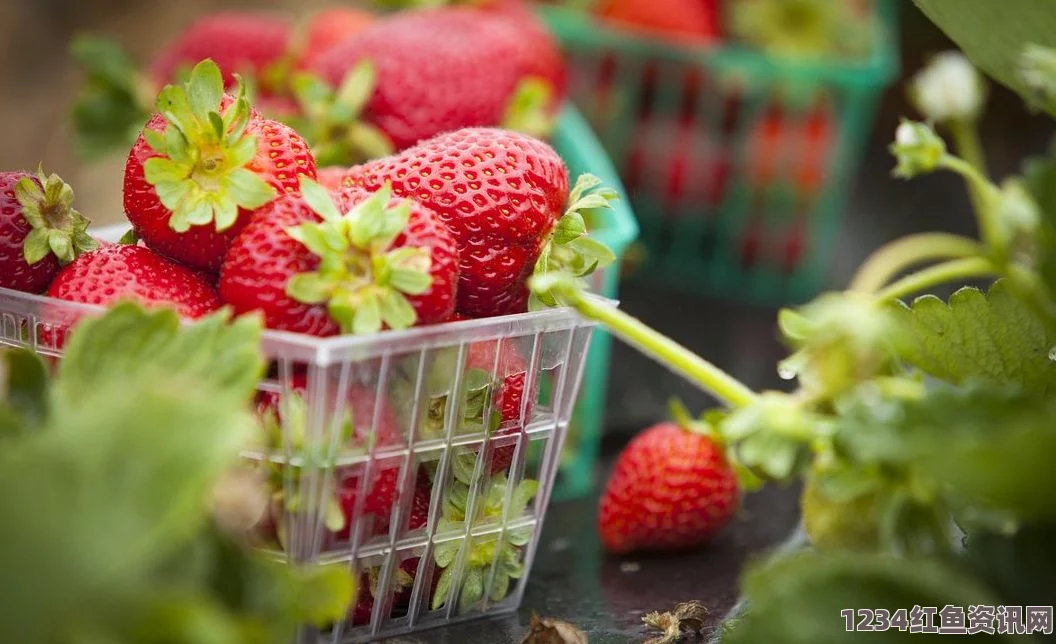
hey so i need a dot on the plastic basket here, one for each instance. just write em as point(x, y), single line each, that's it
point(738, 163)
point(617, 228)
point(389, 387)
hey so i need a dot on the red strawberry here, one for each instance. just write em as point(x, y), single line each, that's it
point(203, 165)
point(501, 193)
point(329, 28)
point(240, 42)
point(691, 21)
point(399, 265)
point(451, 67)
point(670, 489)
point(333, 177)
point(510, 368)
point(403, 577)
point(107, 275)
point(39, 230)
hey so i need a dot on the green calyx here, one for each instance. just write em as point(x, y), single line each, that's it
point(504, 550)
point(529, 110)
point(331, 120)
point(361, 279)
point(57, 228)
point(201, 175)
point(570, 250)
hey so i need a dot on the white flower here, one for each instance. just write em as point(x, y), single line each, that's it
point(906, 134)
point(949, 88)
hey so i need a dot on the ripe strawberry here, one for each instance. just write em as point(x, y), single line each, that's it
point(327, 29)
point(689, 21)
point(502, 194)
point(202, 165)
point(240, 42)
point(422, 90)
point(107, 275)
point(510, 368)
point(671, 488)
point(39, 230)
point(398, 264)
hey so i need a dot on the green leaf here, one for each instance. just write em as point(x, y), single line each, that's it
point(396, 311)
point(357, 87)
point(204, 91)
point(443, 588)
point(445, 552)
point(324, 594)
point(1018, 566)
point(1039, 173)
point(798, 598)
point(995, 336)
point(248, 189)
point(472, 588)
point(569, 227)
point(36, 246)
point(368, 316)
point(130, 238)
point(524, 493)
point(993, 34)
point(125, 463)
point(368, 142)
point(220, 355)
point(528, 110)
point(318, 199)
point(988, 446)
point(412, 282)
point(24, 391)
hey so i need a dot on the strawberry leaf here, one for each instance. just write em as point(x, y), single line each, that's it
point(23, 387)
point(995, 336)
point(530, 108)
point(56, 228)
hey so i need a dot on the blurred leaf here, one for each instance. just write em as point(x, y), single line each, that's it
point(995, 336)
point(798, 598)
point(1040, 176)
point(25, 391)
point(221, 357)
point(993, 34)
point(1020, 566)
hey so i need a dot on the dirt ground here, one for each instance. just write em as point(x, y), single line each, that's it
point(38, 80)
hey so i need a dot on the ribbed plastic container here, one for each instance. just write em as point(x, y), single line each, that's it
point(385, 410)
point(738, 163)
point(617, 228)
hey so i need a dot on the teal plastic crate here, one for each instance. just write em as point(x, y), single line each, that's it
point(738, 163)
point(579, 147)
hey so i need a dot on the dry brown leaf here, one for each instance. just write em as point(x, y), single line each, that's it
point(546, 630)
point(687, 617)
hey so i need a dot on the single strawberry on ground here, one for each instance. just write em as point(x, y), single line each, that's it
point(203, 165)
point(359, 265)
point(505, 197)
point(40, 231)
point(671, 489)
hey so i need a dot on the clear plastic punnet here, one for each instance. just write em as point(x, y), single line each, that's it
point(401, 455)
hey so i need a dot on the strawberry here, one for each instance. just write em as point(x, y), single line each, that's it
point(240, 42)
point(394, 265)
point(510, 368)
point(421, 90)
point(202, 165)
point(671, 488)
point(502, 195)
point(689, 21)
point(329, 28)
point(39, 230)
point(107, 275)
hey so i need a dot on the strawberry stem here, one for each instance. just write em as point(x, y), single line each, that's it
point(56, 228)
point(967, 267)
point(895, 257)
point(653, 343)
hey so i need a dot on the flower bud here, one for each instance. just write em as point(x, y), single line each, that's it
point(916, 148)
point(948, 89)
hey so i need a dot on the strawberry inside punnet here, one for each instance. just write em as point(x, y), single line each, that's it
point(203, 164)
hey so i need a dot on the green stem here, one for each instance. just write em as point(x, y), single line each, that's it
point(969, 147)
point(661, 348)
point(984, 196)
point(939, 274)
point(895, 257)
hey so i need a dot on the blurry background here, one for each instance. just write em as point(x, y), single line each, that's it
point(39, 81)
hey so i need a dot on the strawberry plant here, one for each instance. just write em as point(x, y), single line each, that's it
point(921, 427)
point(124, 500)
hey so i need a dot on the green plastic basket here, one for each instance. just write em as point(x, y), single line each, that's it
point(581, 150)
point(738, 164)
